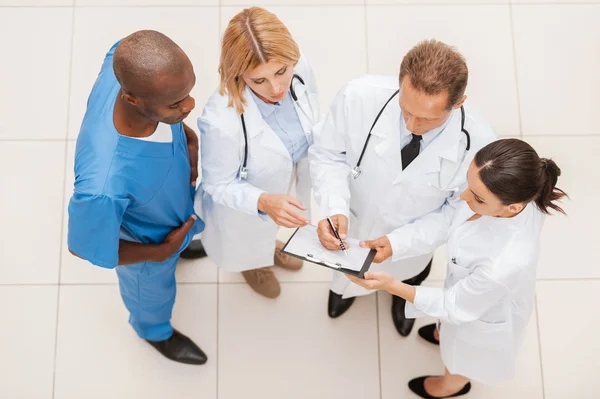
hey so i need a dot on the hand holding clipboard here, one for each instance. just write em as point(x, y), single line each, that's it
point(305, 244)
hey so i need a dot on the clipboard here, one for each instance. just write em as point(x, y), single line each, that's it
point(316, 257)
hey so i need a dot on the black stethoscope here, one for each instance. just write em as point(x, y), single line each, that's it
point(356, 171)
point(243, 174)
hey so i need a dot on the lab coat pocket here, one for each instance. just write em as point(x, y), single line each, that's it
point(457, 272)
point(486, 335)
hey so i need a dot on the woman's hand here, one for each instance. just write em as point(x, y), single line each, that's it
point(283, 210)
point(374, 280)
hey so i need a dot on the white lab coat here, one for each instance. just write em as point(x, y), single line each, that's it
point(236, 236)
point(488, 296)
point(384, 197)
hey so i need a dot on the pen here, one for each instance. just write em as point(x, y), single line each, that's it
point(337, 235)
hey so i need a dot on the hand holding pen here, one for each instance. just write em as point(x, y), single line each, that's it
point(327, 233)
point(337, 235)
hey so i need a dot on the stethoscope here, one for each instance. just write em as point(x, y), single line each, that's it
point(243, 174)
point(356, 171)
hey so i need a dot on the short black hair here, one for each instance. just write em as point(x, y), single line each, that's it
point(143, 56)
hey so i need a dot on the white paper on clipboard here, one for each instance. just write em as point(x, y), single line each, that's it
point(305, 244)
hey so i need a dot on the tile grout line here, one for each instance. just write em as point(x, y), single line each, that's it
point(574, 279)
point(537, 319)
point(407, 4)
point(378, 344)
point(516, 74)
point(64, 187)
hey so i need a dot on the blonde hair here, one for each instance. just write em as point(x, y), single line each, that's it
point(253, 37)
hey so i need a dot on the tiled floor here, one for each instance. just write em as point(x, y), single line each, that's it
point(534, 74)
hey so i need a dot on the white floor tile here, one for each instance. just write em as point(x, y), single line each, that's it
point(35, 77)
point(195, 29)
point(196, 271)
point(551, 2)
point(344, 31)
point(568, 242)
point(403, 359)
point(147, 3)
point(264, 3)
point(394, 30)
point(30, 210)
point(557, 64)
point(569, 323)
point(289, 348)
point(100, 356)
point(436, 2)
point(27, 340)
point(40, 3)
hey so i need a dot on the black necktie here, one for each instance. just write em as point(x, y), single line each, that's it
point(411, 150)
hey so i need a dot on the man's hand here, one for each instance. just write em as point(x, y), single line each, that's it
point(326, 235)
point(283, 210)
point(374, 280)
point(193, 148)
point(383, 247)
point(175, 239)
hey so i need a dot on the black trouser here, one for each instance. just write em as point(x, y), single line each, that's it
point(419, 278)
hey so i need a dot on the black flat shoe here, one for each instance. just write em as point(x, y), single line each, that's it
point(337, 305)
point(180, 348)
point(426, 332)
point(418, 387)
point(194, 251)
point(403, 325)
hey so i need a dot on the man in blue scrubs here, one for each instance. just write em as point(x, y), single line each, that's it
point(132, 206)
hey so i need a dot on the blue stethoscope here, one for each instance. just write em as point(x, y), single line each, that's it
point(356, 171)
point(243, 173)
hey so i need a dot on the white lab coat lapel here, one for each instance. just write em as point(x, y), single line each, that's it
point(463, 213)
point(255, 125)
point(303, 105)
point(387, 129)
point(444, 145)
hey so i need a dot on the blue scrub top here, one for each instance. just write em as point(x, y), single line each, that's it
point(125, 188)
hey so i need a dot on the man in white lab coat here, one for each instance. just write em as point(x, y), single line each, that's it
point(391, 150)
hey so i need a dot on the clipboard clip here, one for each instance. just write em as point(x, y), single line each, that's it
point(336, 265)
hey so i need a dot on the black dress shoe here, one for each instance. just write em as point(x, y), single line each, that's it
point(403, 325)
point(337, 305)
point(180, 349)
point(426, 333)
point(418, 387)
point(194, 251)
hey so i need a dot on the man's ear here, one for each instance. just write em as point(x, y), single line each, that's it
point(460, 103)
point(130, 98)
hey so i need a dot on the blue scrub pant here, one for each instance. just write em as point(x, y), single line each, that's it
point(148, 291)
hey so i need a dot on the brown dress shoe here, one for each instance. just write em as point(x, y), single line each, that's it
point(284, 260)
point(263, 281)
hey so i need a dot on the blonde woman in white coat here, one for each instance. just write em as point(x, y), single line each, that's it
point(492, 248)
point(255, 132)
